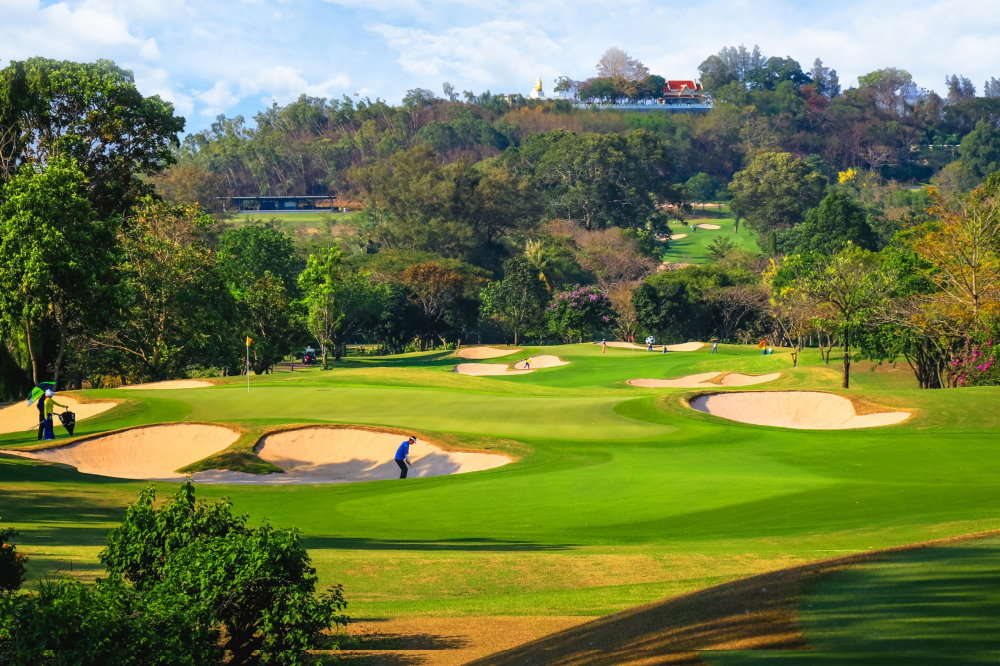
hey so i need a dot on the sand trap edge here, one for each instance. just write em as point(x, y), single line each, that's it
point(392, 430)
point(80, 439)
point(857, 403)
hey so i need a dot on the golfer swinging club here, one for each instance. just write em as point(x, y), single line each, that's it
point(403, 456)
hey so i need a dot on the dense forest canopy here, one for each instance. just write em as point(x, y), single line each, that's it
point(487, 217)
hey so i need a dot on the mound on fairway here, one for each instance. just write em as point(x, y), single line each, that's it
point(151, 452)
point(713, 227)
point(342, 455)
point(808, 410)
point(168, 384)
point(544, 361)
point(704, 380)
point(19, 416)
point(681, 347)
point(479, 353)
point(487, 369)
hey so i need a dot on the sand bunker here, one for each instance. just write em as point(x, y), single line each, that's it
point(543, 361)
point(169, 384)
point(678, 236)
point(342, 455)
point(520, 368)
point(681, 347)
point(20, 416)
point(708, 226)
point(153, 452)
point(705, 380)
point(479, 353)
point(810, 410)
point(672, 266)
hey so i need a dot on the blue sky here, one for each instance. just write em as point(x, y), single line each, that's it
point(236, 56)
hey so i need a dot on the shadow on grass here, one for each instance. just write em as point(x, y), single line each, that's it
point(472, 545)
point(934, 603)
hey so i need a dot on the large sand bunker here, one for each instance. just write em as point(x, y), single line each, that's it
point(341, 455)
point(681, 347)
point(543, 361)
point(153, 452)
point(808, 410)
point(168, 384)
point(713, 227)
point(678, 236)
point(479, 353)
point(21, 416)
point(706, 380)
point(520, 368)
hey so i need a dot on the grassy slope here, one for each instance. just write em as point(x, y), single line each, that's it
point(624, 495)
point(306, 229)
point(694, 248)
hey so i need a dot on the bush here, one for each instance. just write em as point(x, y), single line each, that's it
point(256, 583)
point(11, 562)
point(190, 583)
point(584, 313)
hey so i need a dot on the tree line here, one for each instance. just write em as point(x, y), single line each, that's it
point(489, 219)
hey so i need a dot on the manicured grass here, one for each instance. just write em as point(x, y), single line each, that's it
point(937, 605)
point(694, 248)
point(621, 495)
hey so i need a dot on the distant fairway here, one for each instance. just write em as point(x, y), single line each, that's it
point(622, 495)
point(306, 229)
point(693, 249)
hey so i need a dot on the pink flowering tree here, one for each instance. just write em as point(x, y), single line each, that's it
point(581, 313)
point(975, 365)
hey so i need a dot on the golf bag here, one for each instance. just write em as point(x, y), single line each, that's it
point(68, 419)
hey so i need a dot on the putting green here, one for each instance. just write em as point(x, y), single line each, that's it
point(621, 495)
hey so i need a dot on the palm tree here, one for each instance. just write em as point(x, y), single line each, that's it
point(540, 257)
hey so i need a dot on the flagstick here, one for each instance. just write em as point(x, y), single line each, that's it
point(248, 368)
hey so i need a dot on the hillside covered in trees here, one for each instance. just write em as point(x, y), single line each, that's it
point(490, 217)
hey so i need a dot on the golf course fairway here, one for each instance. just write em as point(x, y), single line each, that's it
point(617, 495)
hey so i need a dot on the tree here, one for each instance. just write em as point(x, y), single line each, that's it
point(992, 87)
point(775, 190)
point(584, 313)
point(55, 258)
point(893, 89)
point(846, 287)
point(980, 149)
point(731, 65)
point(442, 290)
point(92, 113)
point(959, 88)
point(702, 187)
point(616, 64)
point(826, 79)
point(255, 583)
point(517, 300)
point(838, 220)
point(260, 266)
point(339, 302)
point(171, 306)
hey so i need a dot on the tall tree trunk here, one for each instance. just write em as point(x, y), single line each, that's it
point(847, 360)
point(31, 353)
point(59, 356)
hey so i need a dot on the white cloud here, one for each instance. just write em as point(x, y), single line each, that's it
point(488, 54)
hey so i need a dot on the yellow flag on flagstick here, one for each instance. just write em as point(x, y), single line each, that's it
point(249, 341)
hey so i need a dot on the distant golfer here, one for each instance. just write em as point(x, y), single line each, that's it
point(50, 405)
point(650, 341)
point(604, 346)
point(41, 417)
point(527, 364)
point(403, 456)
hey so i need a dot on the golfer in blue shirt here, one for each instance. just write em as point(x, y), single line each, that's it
point(403, 456)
